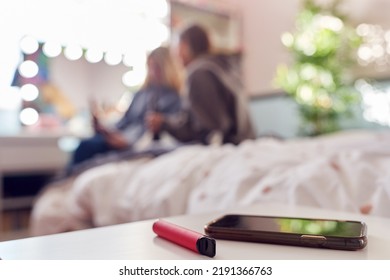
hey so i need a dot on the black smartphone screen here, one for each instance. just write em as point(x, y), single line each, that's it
point(292, 225)
point(333, 234)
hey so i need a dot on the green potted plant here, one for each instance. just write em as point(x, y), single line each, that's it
point(323, 49)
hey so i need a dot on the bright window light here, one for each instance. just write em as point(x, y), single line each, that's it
point(28, 69)
point(29, 116)
point(29, 92)
point(29, 45)
point(376, 102)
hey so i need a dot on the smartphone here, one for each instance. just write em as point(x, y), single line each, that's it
point(321, 233)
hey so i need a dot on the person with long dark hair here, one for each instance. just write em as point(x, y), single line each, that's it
point(216, 107)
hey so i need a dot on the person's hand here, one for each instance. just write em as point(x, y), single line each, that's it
point(97, 126)
point(95, 122)
point(116, 140)
point(154, 122)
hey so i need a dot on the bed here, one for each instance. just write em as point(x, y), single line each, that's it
point(348, 171)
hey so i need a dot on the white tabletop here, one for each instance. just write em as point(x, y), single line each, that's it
point(137, 240)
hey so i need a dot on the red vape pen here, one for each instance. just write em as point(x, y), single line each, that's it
point(189, 239)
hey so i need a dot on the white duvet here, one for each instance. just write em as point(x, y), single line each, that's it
point(347, 171)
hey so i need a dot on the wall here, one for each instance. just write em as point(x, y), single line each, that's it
point(263, 23)
point(83, 82)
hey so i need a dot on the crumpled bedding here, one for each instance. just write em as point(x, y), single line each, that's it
point(348, 171)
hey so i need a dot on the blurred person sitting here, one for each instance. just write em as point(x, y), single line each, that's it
point(159, 93)
point(216, 109)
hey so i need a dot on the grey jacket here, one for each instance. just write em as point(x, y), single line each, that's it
point(215, 107)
